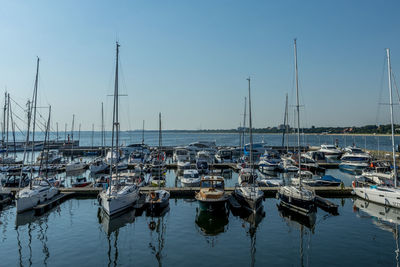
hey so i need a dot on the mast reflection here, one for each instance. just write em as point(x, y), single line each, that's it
point(157, 225)
point(304, 222)
point(111, 226)
point(385, 218)
point(251, 221)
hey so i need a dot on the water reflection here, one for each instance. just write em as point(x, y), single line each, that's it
point(157, 226)
point(34, 225)
point(111, 226)
point(211, 224)
point(251, 220)
point(296, 220)
point(385, 218)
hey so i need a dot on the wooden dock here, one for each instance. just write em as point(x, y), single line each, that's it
point(182, 192)
point(49, 204)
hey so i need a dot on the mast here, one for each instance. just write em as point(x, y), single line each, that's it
point(115, 120)
point(72, 136)
point(57, 130)
point(250, 132)
point(8, 121)
point(47, 136)
point(285, 121)
point(102, 127)
point(159, 148)
point(297, 108)
point(26, 141)
point(244, 123)
point(34, 101)
point(143, 134)
point(92, 133)
point(3, 134)
point(391, 115)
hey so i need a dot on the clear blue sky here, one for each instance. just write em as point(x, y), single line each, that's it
point(190, 59)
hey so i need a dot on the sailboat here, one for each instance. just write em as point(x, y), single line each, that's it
point(385, 195)
point(77, 164)
point(157, 200)
point(247, 193)
point(39, 188)
point(297, 197)
point(99, 165)
point(121, 193)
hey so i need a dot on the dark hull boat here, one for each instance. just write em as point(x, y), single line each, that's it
point(249, 197)
point(297, 199)
point(157, 200)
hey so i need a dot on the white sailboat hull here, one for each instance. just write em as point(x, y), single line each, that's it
point(381, 195)
point(27, 199)
point(118, 202)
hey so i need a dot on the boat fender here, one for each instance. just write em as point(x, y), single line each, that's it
point(152, 225)
point(353, 184)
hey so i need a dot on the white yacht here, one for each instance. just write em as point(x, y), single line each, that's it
point(190, 178)
point(32, 195)
point(355, 161)
point(76, 165)
point(385, 195)
point(224, 156)
point(331, 151)
point(181, 154)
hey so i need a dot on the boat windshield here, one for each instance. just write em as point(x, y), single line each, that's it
point(212, 184)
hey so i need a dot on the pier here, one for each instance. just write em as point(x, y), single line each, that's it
point(189, 192)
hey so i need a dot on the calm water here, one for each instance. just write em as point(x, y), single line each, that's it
point(76, 234)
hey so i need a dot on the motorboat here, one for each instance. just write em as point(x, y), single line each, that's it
point(49, 156)
point(181, 154)
point(137, 157)
point(190, 178)
point(224, 156)
point(258, 150)
point(326, 180)
point(270, 161)
point(182, 166)
point(138, 147)
point(331, 152)
point(354, 161)
point(316, 156)
point(287, 165)
point(76, 165)
point(32, 195)
point(212, 194)
point(269, 181)
point(98, 166)
point(202, 162)
point(81, 182)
